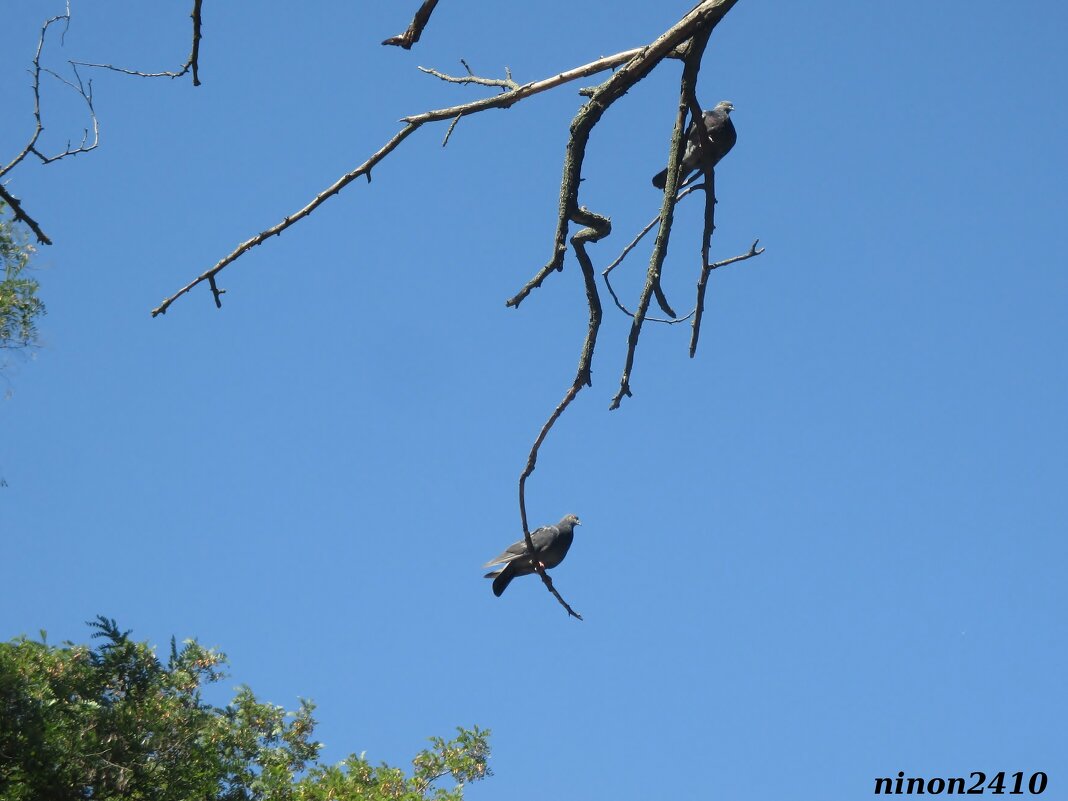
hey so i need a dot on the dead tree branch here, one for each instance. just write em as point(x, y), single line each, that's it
point(637, 63)
point(686, 39)
point(86, 91)
point(548, 582)
point(194, 54)
point(699, 309)
point(503, 100)
point(191, 64)
point(506, 83)
point(31, 147)
point(415, 30)
point(597, 227)
point(688, 83)
point(690, 187)
point(702, 17)
point(277, 229)
point(21, 215)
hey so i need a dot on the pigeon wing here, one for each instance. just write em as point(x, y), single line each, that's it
point(542, 537)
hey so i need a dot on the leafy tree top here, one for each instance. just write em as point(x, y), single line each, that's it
point(115, 721)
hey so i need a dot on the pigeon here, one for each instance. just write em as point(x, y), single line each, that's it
point(550, 547)
point(721, 138)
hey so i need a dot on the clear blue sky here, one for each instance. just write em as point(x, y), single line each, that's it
point(829, 548)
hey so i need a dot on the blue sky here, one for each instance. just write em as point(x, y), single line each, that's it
point(828, 549)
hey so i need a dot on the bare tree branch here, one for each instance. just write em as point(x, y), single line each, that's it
point(509, 98)
point(503, 100)
point(216, 292)
point(31, 147)
point(703, 16)
point(548, 582)
point(415, 30)
point(194, 54)
point(35, 73)
point(708, 169)
point(597, 227)
point(699, 309)
point(505, 83)
point(690, 187)
point(192, 63)
point(687, 39)
point(86, 91)
point(636, 64)
point(687, 87)
point(16, 208)
point(277, 229)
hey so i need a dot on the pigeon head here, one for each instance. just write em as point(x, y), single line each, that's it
point(572, 519)
point(725, 106)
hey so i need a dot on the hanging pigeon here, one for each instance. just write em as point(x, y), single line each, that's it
point(550, 548)
point(721, 138)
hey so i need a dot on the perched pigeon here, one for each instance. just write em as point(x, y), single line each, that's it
point(721, 138)
point(550, 548)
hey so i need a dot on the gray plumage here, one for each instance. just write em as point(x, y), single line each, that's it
point(551, 544)
point(721, 138)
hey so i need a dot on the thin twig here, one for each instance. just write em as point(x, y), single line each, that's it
point(702, 282)
point(86, 91)
point(135, 73)
point(648, 319)
point(31, 146)
point(191, 63)
point(505, 84)
point(414, 121)
point(452, 127)
point(509, 98)
point(415, 30)
point(690, 187)
point(548, 582)
point(35, 73)
point(216, 292)
point(275, 230)
point(696, 310)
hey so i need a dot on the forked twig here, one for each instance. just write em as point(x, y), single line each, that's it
point(414, 122)
point(86, 92)
point(699, 309)
point(191, 64)
point(690, 187)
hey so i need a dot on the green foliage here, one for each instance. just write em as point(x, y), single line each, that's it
point(115, 722)
point(19, 305)
point(464, 758)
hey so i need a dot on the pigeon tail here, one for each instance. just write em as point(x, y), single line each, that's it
point(660, 179)
point(503, 578)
